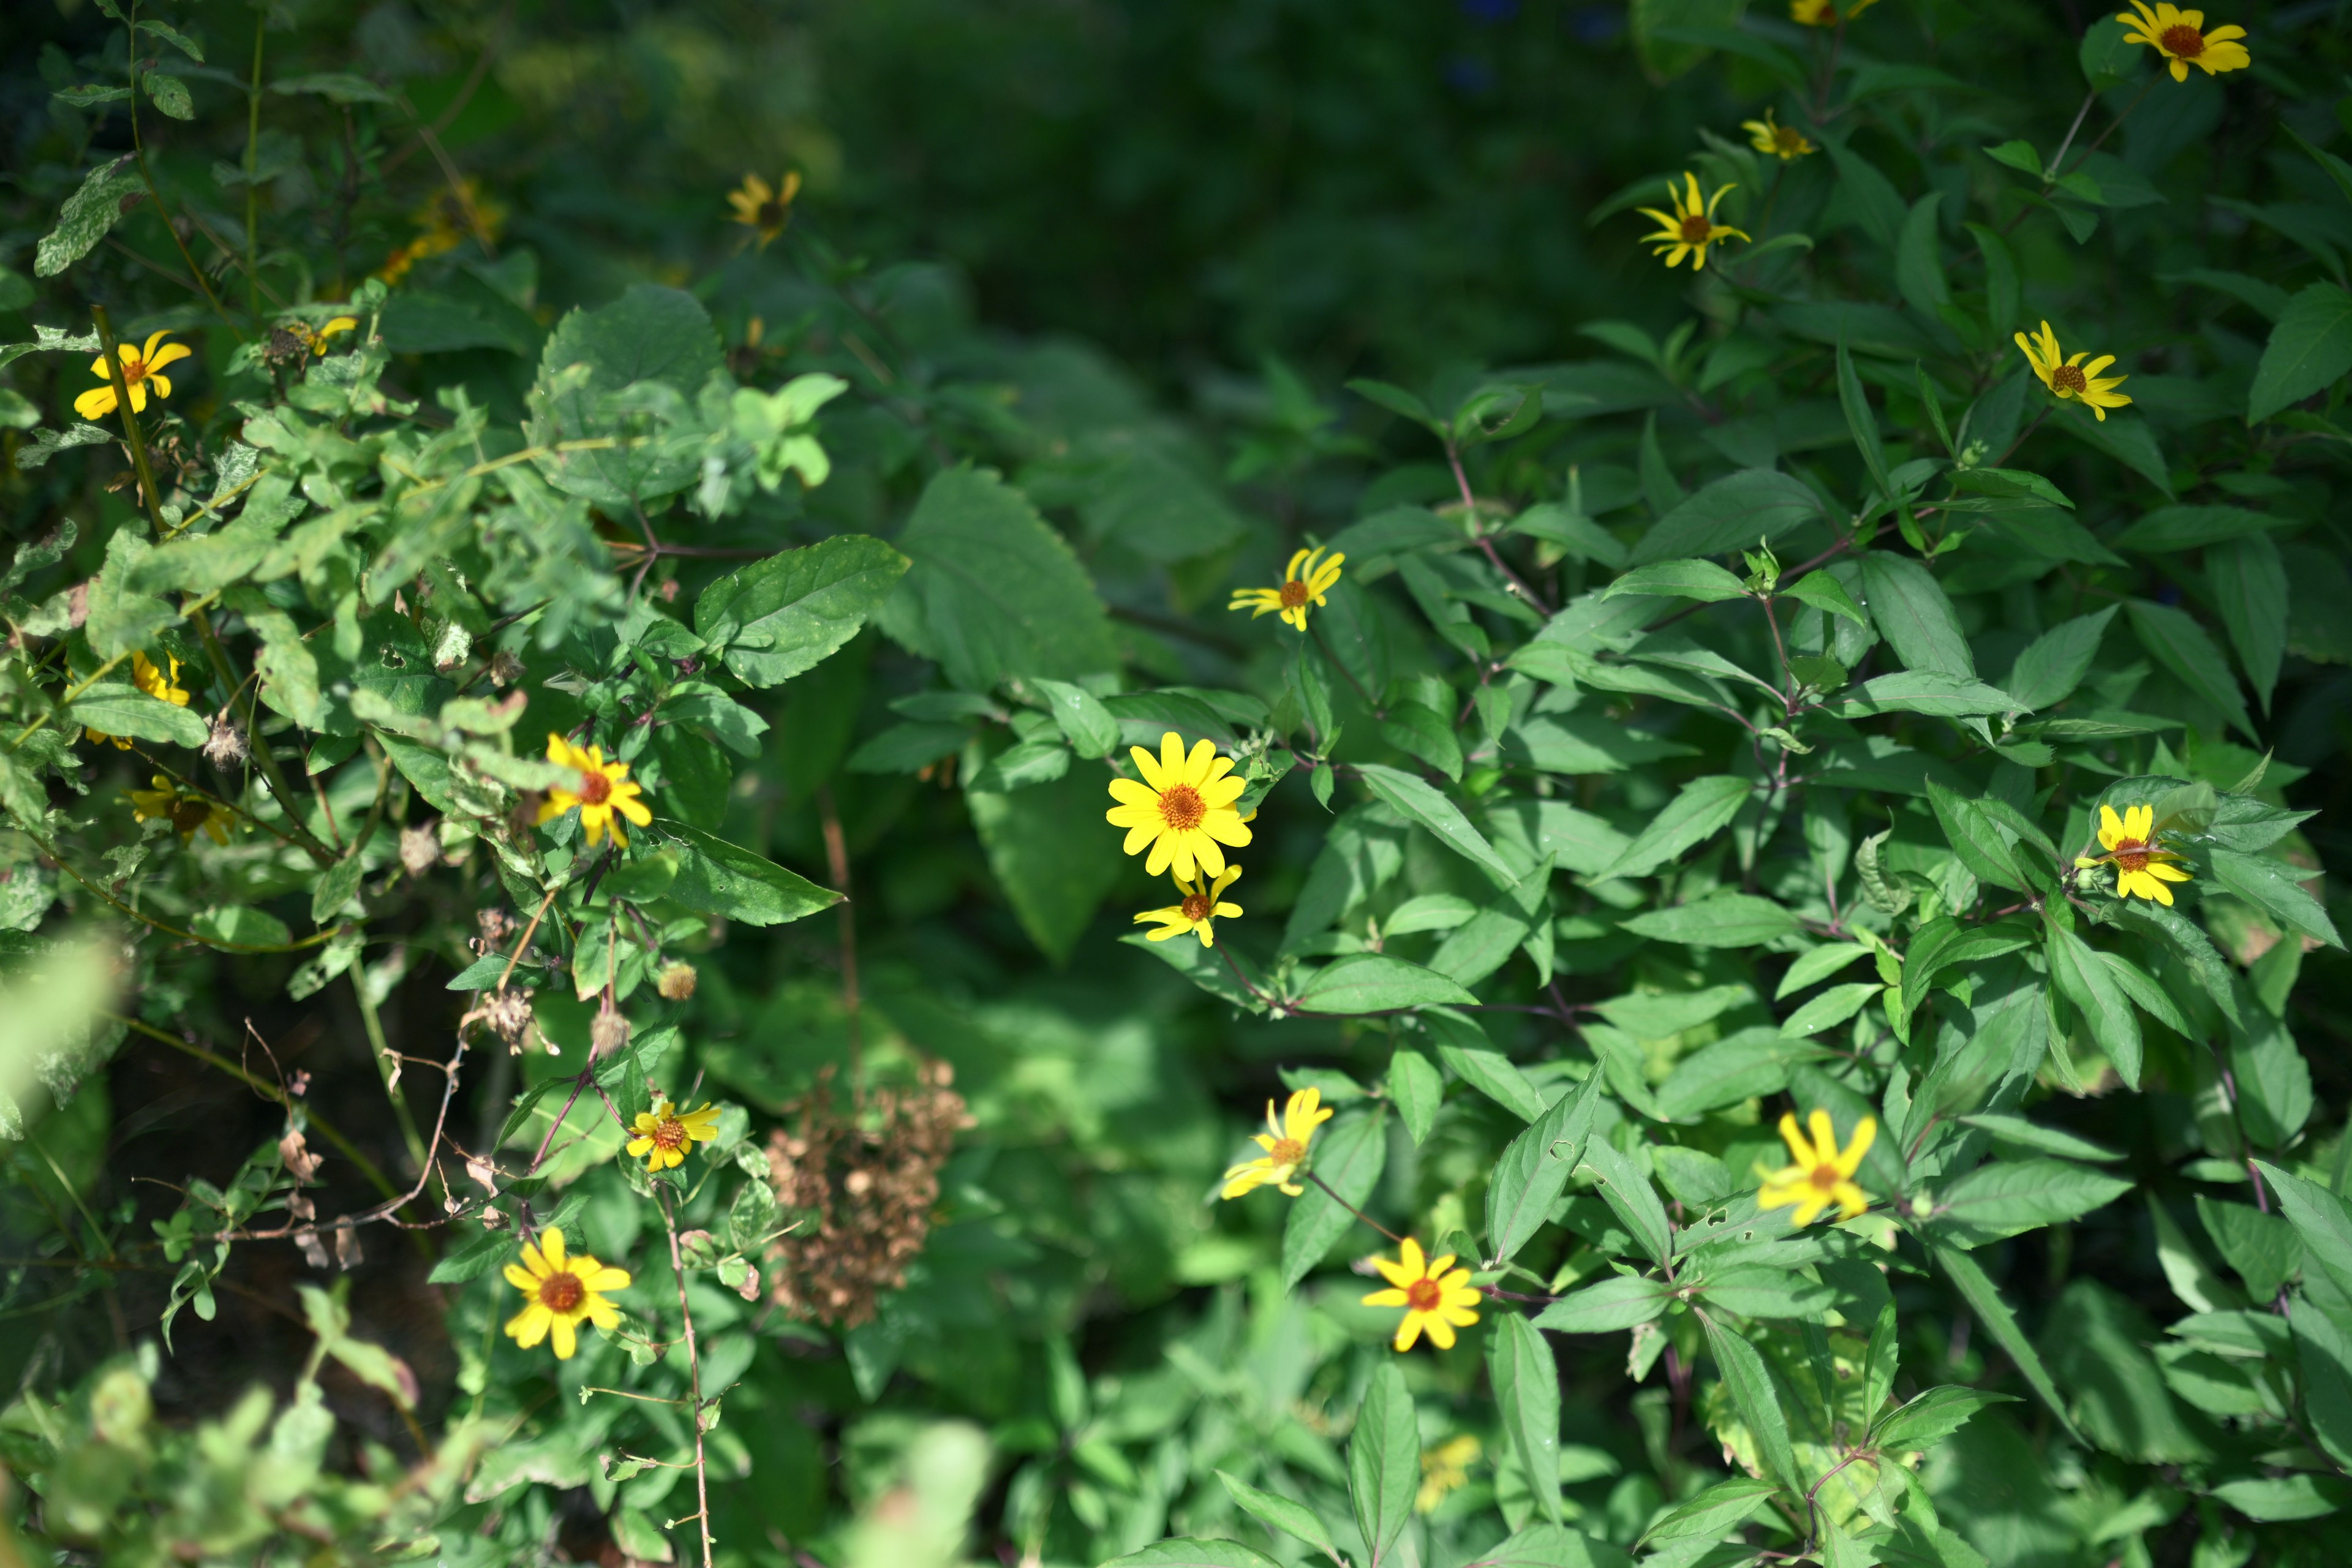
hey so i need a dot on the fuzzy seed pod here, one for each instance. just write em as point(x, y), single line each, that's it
point(676, 982)
point(224, 745)
point(419, 848)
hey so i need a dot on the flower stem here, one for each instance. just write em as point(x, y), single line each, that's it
point(111, 352)
point(694, 1380)
point(1354, 1209)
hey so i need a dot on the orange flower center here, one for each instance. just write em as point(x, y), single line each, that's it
point(1294, 594)
point(561, 1292)
point(1423, 1295)
point(2184, 42)
point(1825, 1178)
point(1286, 1152)
point(1696, 229)
point(669, 1133)
point(1196, 906)
point(1181, 807)
point(2133, 854)
point(2068, 381)
point(595, 789)
point(134, 369)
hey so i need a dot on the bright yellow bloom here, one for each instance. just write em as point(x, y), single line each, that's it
point(1433, 1299)
point(2142, 868)
point(187, 812)
point(1285, 1143)
point(2070, 378)
point(1203, 906)
point(1821, 1176)
point(1182, 808)
point(1823, 14)
point(1692, 228)
point(667, 1135)
point(603, 791)
point(559, 1292)
point(318, 339)
point(1445, 1468)
point(2179, 36)
point(1303, 583)
point(763, 211)
point(156, 684)
point(142, 368)
point(1769, 136)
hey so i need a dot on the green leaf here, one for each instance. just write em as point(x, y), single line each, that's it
point(1829, 1009)
point(168, 94)
point(2006, 1197)
point(1703, 808)
point(1349, 1156)
point(1423, 733)
point(1418, 802)
point(2324, 1355)
point(1417, 1089)
point(2091, 986)
point(474, 1257)
point(1526, 1389)
point(2322, 1219)
point(174, 36)
point(1977, 1289)
point(1189, 1552)
point(1395, 399)
point(336, 888)
point(1700, 580)
point(1727, 919)
point(1279, 1513)
point(1731, 513)
point(2275, 888)
point(1378, 983)
point(2126, 437)
point(1621, 1301)
point(1825, 594)
point(335, 87)
point(1199, 965)
point(726, 879)
point(1934, 1416)
point(2015, 1132)
point(2250, 590)
point(1757, 1400)
point(116, 709)
point(1969, 829)
point(1384, 1462)
point(1487, 1071)
point(1053, 878)
point(1919, 260)
point(86, 216)
point(1535, 1167)
point(1630, 1196)
point(2309, 350)
point(2109, 56)
point(240, 926)
point(653, 335)
point(1914, 615)
point(2054, 664)
point(1085, 723)
point(2169, 528)
point(1817, 964)
point(1715, 1512)
point(1923, 691)
point(774, 618)
point(1572, 531)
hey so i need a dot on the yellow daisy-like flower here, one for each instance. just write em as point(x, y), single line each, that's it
point(604, 793)
point(667, 1135)
point(186, 813)
point(2070, 378)
point(1785, 142)
point(1821, 1176)
point(2180, 37)
point(559, 1292)
point(764, 210)
point(1304, 582)
point(1182, 808)
point(318, 339)
point(1823, 13)
point(1444, 1469)
point(142, 368)
point(1692, 228)
point(1435, 1301)
point(1203, 906)
point(1286, 1145)
point(154, 683)
point(2142, 866)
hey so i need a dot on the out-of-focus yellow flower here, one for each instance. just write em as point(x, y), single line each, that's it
point(142, 368)
point(1821, 1176)
point(1201, 907)
point(148, 679)
point(449, 217)
point(1445, 1468)
point(1823, 14)
point(316, 341)
point(2070, 378)
point(2180, 37)
point(604, 791)
point(185, 812)
point(2142, 866)
point(1785, 142)
point(1692, 228)
point(765, 211)
point(1285, 1143)
point(1182, 808)
point(667, 1135)
point(560, 1293)
point(1304, 582)
point(1436, 1297)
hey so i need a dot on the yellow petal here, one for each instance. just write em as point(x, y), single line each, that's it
point(2111, 828)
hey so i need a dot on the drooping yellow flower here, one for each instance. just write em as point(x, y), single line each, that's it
point(1821, 1176)
point(1182, 808)
point(766, 212)
point(667, 1135)
point(1785, 142)
point(559, 1292)
point(603, 792)
point(142, 368)
point(318, 339)
point(185, 812)
point(1445, 1468)
point(1823, 13)
point(2142, 866)
point(1304, 582)
point(1692, 228)
point(1285, 1143)
point(2180, 37)
point(2070, 378)
point(1435, 1301)
point(156, 684)
point(1201, 907)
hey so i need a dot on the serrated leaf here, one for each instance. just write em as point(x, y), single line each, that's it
point(2309, 350)
point(86, 216)
point(775, 618)
point(1384, 1462)
point(1535, 1167)
point(1350, 1156)
point(1278, 1512)
point(1418, 802)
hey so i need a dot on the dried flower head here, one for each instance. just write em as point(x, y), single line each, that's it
point(505, 668)
point(224, 745)
point(607, 1032)
point(495, 929)
point(419, 848)
point(676, 982)
point(508, 1013)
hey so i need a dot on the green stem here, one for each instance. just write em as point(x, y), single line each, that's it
point(259, 744)
point(111, 352)
point(139, 152)
point(381, 1051)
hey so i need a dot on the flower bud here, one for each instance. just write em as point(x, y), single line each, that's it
point(676, 982)
point(608, 1032)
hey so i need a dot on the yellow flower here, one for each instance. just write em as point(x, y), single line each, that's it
point(186, 813)
point(1823, 14)
point(1285, 1143)
point(1821, 1176)
point(448, 218)
point(559, 1292)
point(156, 684)
point(603, 791)
point(2071, 378)
point(667, 1135)
point(1183, 808)
point(1692, 228)
point(2141, 866)
point(1769, 136)
point(142, 368)
point(1203, 906)
point(1303, 581)
point(763, 211)
point(318, 339)
point(1433, 1299)
point(1444, 1468)
point(2179, 36)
